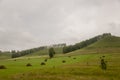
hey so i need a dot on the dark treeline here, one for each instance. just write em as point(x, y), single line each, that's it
point(33, 50)
point(26, 52)
point(85, 43)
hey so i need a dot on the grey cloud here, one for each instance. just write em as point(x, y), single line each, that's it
point(15, 39)
point(29, 23)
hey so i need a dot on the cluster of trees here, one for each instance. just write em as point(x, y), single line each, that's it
point(29, 51)
point(26, 52)
point(4, 52)
point(59, 45)
point(85, 43)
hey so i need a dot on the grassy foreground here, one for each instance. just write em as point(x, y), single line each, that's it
point(79, 67)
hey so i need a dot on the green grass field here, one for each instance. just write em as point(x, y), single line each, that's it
point(84, 67)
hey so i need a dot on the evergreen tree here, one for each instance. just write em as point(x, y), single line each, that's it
point(51, 52)
point(103, 63)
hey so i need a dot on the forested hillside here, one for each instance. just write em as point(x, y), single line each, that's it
point(85, 43)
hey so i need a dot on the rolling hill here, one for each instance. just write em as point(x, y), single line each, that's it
point(75, 66)
point(107, 44)
point(110, 44)
point(101, 44)
point(110, 41)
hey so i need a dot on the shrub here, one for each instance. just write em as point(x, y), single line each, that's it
point(45, 60)
point(51, 52)
point(28, 65)
point(63, 61)
point(42, 63)
point(2, 67)
point(103, 56)
point(103, 63)
point(74, 58)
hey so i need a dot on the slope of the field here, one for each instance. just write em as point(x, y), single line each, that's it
point(5, 56)
point(110, 44)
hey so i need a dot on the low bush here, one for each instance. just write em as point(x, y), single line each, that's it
point(74, 58)
point(45, 60)
point(63, 61)
point(28, 65)
point(103, 63)
point(42, 63)
point(2, 67)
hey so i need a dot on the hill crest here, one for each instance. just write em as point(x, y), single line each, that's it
point(109, 44)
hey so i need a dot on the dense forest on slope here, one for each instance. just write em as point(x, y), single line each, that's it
point(85, 43)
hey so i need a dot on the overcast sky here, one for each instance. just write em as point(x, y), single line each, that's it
point(26, 24)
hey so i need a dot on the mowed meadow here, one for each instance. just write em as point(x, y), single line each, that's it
point(79, 67)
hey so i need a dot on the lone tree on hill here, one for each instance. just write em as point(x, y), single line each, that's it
point(51, 52)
